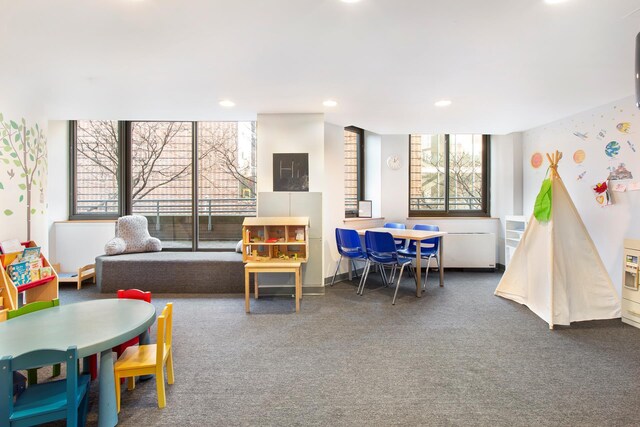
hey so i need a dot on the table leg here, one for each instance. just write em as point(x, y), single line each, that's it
point(247, 276)
point(298, 289)
point(107, 412)
point(441, 259)
point(418, 269)
point(255, 285)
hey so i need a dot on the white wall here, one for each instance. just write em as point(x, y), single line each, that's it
point(608, 226)
point(373, 177)
point(59, 190)
point(395, 183)
point(506, 182)
point(333, 199)
point(290, 133)
point(78, 243)
point(23, 168)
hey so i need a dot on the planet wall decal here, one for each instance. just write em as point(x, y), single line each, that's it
point(612, 149)
point(579, 156)
point(536, 160)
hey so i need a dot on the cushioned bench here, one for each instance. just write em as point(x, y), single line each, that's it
point(172, 272)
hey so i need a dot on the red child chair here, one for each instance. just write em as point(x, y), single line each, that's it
point(131, 294)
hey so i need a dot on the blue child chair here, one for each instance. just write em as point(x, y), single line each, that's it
point(428, 248)
point(349, 246)
point(32, 374)
point(49, 401)
point(400, 243)
point(381, 250)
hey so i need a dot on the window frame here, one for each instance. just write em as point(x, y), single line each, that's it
point(125, 190)
point(486, 181)
point(123, 165)
point(360, 159)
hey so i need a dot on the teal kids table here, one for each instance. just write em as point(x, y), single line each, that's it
point(93, 326)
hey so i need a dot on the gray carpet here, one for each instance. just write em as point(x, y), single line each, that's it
point(458, 356)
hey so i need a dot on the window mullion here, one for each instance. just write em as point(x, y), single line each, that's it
point(194, 190)
point(447, 163)
point(125, 168)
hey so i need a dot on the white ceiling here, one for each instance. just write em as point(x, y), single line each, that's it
point(507, 65)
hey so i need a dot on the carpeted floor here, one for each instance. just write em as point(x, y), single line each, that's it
point(457, 356)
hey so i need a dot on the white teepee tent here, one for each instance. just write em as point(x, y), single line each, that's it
point(556, 270)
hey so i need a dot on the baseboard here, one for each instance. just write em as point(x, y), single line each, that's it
point(468, 269)
point(277, 290)
point(500, 267)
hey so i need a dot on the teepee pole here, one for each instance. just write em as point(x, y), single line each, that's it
point(553, 159)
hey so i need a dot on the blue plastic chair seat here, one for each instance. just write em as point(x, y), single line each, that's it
point(428, 248)
point(424, 252)
point(381, 250)
point(46, 398)
point(39, 403)
point(400, 243)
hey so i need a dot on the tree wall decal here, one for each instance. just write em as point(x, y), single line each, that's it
point(24, 153)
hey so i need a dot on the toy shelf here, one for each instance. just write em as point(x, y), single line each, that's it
point(38, 290)
point(275, 239)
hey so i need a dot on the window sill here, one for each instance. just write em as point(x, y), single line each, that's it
point(363, 219)
point(454, 218)
point(76, 221)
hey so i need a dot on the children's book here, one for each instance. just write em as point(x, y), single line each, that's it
point(34, 268)
point(19, 272)
point(9, 246)
point(46, 272)
point(30, 253)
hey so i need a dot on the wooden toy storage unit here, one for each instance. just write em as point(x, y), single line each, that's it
point(274, 245)
point(39, 290)
point(275, 239)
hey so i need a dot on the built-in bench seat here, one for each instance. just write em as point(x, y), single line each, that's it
point(172, 272)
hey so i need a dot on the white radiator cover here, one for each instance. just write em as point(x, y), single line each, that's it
point(469, 250)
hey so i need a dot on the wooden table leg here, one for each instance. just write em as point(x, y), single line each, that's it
point(418, 269)
point(298, 288)
point(440, 267)
point(247, 276)
point(255, 283)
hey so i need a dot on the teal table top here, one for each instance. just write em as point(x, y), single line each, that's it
point(92, 326)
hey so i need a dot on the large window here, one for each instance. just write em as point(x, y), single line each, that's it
point(149, 168)
point(96, 157)
point(448, 175)
point(353, 170)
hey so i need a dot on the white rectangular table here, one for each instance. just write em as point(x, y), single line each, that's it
point(420, 236)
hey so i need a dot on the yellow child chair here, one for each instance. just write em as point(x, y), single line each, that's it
point(149, 359)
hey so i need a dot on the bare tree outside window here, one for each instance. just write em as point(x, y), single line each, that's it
point(161, 173)
point(97, 167)
point(465, 172)
point(353, 169)
point(450, 165)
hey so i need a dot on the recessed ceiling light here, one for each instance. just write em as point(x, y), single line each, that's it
point(329, 103)
point(227, 103)
point(443, 103)
point(554, 1)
